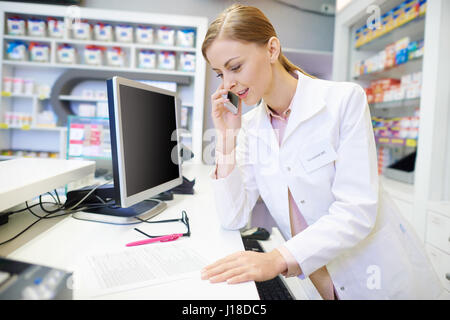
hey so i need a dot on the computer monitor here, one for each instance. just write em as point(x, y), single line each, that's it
point(145, 151)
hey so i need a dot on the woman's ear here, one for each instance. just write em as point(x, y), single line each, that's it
point(274, 47)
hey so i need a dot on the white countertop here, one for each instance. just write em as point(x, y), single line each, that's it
point(69, 240)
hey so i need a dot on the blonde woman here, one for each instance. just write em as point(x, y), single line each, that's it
point(308, 150)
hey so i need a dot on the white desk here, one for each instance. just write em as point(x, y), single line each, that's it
point(64, 243)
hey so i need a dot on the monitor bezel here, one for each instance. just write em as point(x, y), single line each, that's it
point(127, 201)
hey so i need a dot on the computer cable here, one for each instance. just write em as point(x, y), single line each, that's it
point(20, 233)
point(32, 224)
point(49, 213)
point(88, 194)
point(24, 209)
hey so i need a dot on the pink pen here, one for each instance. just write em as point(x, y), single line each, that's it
point(170, 237)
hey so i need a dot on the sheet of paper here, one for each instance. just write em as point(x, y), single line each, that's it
point(135, 267)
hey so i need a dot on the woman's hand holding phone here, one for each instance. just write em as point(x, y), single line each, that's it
point(224, 120)
point(226, 123)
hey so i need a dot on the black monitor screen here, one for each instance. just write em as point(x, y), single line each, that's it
point(148, 122)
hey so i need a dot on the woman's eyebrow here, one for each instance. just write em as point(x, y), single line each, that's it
point(226, 63)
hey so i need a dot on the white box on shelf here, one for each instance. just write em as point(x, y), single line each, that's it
point(39, 52)
point(66, 54)
point(7, 84)
point(166, 36)
point(103, 32)
point(43, 90)
point(124, 33)
point(144, 34)
point(115, 57)
point(17, 50)
point(82, 30)
point(147, 59)
point(16, 26)
point(93, 55)
point(185, 38)
point(166, 60)
point(36, 27)
point(18, 86)
point(29, 86)
point(55, 28)
point(187, 62)
point(46, 118)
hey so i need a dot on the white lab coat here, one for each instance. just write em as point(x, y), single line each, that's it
point(328, 160)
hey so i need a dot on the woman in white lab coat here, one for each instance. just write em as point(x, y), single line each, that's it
point(308, 150)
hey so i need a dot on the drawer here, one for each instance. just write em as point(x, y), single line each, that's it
point(438, 231)
point(441, 263)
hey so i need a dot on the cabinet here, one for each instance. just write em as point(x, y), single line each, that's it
point(438, 240)
point(429, 185)
point(69, 70)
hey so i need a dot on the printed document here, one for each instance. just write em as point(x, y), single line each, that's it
point(136, 267)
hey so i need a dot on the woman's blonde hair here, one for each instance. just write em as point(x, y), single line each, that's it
point(248, 24)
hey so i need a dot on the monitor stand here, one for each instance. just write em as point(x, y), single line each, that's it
point(116, 215)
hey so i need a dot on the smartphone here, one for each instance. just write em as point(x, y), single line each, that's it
point(232, 105)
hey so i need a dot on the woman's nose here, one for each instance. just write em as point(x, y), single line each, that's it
point(229, 84)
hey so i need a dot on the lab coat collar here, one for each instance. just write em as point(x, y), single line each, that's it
point(307, 101)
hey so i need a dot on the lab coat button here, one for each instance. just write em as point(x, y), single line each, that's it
point(288, 168)
point(342, 288)
point(302, 201)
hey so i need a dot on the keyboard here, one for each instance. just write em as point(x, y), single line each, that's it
point(274, 289)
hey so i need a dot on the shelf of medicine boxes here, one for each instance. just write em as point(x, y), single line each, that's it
point(396, 71)
point(133, 47)
point(415, 31)
point(413, 102)
point(192, 84)
point(35, 98)
point(183, 133)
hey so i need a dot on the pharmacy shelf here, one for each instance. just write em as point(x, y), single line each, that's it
point(414, 102)
point(89, 158)
point(190, 85)
point(183, 75)
point(81, 99)
point(23, 95)
point(57, 41)
point(413, 29)
point(431, 174)
point(397, 71)
point(5, 126)
point(2, 158)
point(407, 142)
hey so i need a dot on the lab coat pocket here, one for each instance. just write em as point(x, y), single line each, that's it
point(379, 266)
point(316, 155)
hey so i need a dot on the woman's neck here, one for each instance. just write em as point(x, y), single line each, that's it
point(281, 91)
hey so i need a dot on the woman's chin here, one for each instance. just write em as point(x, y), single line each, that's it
point(251, 101)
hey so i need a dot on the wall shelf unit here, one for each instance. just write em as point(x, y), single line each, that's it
point(430, 192)
point(64, 95)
